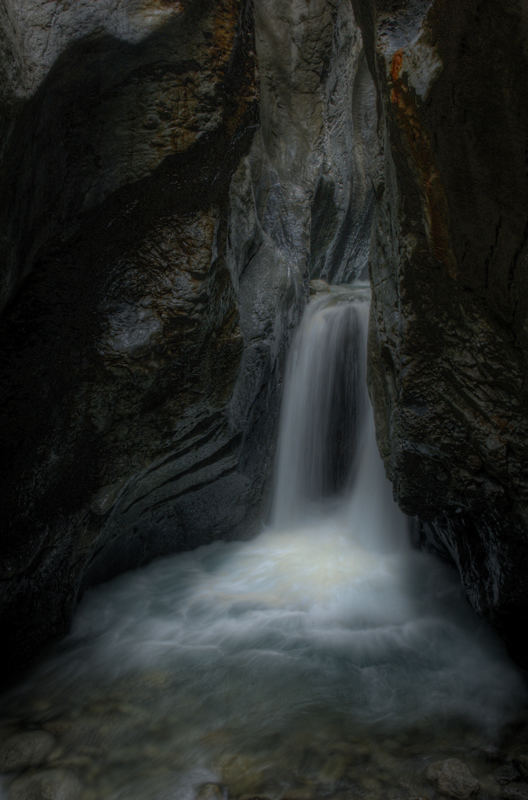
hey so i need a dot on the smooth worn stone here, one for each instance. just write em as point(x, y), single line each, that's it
point(371, 786)
point(25, 750)
point(53, 784)
point(453, 779)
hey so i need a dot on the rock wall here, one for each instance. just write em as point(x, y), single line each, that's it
point(120, 334)
point(449, 273)
point(160, 226)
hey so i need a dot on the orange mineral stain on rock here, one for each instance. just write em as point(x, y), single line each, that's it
point(421, 156)
point(226, 27)
point(397, 65)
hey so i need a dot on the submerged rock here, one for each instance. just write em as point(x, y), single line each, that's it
point(49, 785)
point(210, 791)
point(25, 750)
point(453, 779)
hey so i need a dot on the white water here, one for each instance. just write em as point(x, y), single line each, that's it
point(325, 624)
point(324, 406)
point(327, 454)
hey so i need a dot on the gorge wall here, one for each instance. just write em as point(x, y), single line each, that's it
point(449, 271)
point(164, 206)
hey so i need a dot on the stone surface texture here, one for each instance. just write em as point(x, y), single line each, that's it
point(172, 175)
point(449, 269)
point(453, 779)
point(25, 750)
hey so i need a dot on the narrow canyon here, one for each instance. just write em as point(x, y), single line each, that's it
point(264, 408)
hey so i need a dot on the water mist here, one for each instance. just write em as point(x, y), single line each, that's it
point(250, 667)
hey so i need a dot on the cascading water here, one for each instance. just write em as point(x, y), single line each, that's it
point(324, 655)
point(324, 402)
point(327, 452)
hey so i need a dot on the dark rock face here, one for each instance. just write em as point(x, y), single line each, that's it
point(449, 271)
point(120, 335)
point(158, 231)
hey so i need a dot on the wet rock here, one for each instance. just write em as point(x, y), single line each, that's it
point(521, 762)
point(48, 785)
point(387, 763)
point(210, 791)
point(449, 333)
point(300, 793)
point(254, 797)
point(515, 791)
point(137, 400)
point(243, 775)
point(319, 286)
point(492, 753)
point(343, 795)
point(506, 774)
point(25, 750)
point(333, 769)
point(371, 786)
point(453, 779)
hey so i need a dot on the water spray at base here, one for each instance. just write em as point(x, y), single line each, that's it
point(327, 633)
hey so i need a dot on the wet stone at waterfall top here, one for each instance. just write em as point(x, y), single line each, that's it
point(324, 658)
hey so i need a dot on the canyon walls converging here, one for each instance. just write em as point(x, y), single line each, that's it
point(173, 173)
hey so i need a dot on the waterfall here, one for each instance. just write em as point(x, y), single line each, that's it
point(323, 405)
point(327, 453)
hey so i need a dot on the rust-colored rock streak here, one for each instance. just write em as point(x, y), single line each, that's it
point(417, 142)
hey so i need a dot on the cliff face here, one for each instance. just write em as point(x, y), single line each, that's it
point(449, 272)
point(120, 333)
point(158, 228)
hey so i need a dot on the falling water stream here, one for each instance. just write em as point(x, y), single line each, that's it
point(323, 659)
